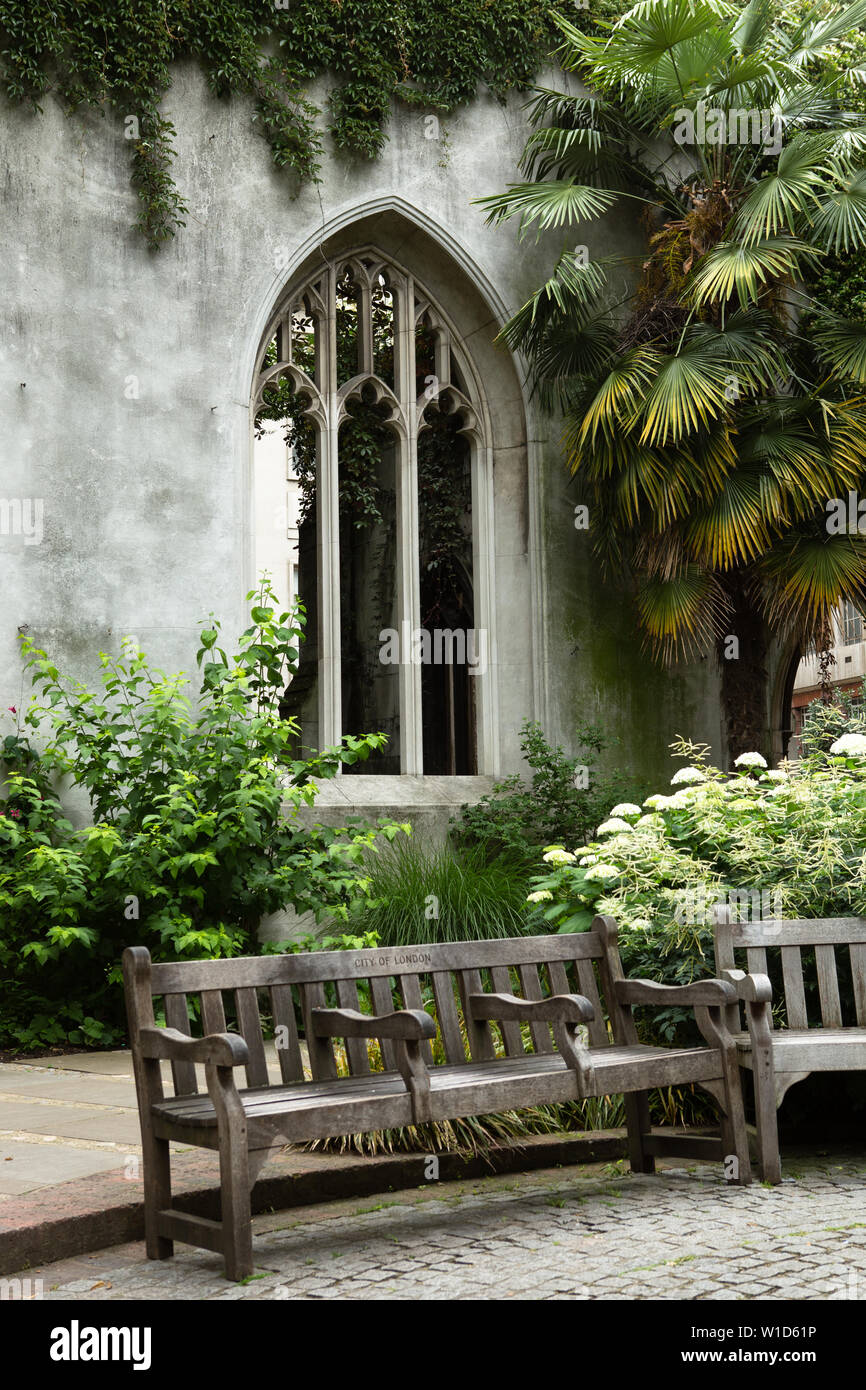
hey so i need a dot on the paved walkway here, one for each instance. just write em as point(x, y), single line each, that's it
point(597, 1234)
point(65, 1117)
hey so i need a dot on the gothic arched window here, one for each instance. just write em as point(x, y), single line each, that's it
point(387, 434)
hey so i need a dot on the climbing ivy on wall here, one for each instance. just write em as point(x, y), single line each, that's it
point(116, 55)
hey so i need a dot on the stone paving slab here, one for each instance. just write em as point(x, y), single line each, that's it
point(27, 1167)
point(604, 1234)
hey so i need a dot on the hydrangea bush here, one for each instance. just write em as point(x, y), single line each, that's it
point(784, 842)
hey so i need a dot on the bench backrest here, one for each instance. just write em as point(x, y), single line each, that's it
point(818, 966)
point(437, 976)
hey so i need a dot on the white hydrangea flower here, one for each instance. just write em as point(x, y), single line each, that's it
point(601, 872)
point(640, 924)
point(588, 859)
point(854, 745)
point(609, 827)
point(658, 802)
point(775, 774)
point(686, 775)
point(750, 760)
point(543, 895)
point(558, 856)
point(625, 808)
point(684, 797)
point(649, 822)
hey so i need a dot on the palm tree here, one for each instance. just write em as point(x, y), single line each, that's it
point(715, 408)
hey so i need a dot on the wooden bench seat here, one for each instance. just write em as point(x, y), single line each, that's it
point(812, 1049)
point(446, 1031)
point(305, 1110)
point(819, 1032)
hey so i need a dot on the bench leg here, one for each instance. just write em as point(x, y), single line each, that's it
point(237, 1236)
point(766, 1122)
point(235, 1201)
point(637, 1119)
point(735, 1136)
point(156, 1164)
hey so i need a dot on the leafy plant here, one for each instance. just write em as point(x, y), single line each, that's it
point(565, 799)
point(781, 843)
point(195, 832)
point(824, 723)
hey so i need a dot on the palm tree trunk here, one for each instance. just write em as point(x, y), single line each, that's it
point(742, 654)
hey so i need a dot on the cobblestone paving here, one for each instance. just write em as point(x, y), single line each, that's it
point(600, 1234)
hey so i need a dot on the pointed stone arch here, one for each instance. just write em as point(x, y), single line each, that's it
point(458, 388)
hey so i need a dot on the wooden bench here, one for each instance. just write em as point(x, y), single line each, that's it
point(489, 1049)
point(778, 1056)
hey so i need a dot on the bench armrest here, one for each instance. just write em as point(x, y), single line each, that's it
point(557, 1008)
point(699, 992)
point(567, 1012)
point(752, 989)
point(410, 1025)
point(219, 1049)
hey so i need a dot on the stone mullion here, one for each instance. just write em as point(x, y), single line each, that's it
point(328, 531)
point(408, 557)
point(483, 584)
point(365, 329)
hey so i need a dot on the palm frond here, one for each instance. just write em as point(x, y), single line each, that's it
point(840, 220)
point(733, 268)
point(814, 36)
point(841, 343)
point(679, 613)
point(806, 574)
point(778, 200)
point(558, 203)
point(688, 391)
point(620, 394)
point(573, 286)
point(754, 26)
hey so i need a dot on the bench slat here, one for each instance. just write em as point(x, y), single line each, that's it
point(250, 1026)
point(356, 1048)
point(383, 1003)
point(449, 1019)
point(837, 931)
point(500, 978)
point(828, 987)
point(213, 1015)
point(323, 1063)
point(588, 987)
point(558, 976)
point(795, 997)
point(289, 1055)
point(858, 976)
point(478, 1030)
point(756, 959)
point(194, 976)
point(183, 1073)
point(531, 986)
point(410, 989)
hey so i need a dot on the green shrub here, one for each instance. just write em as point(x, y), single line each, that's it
point(195, 832)
point(784, 843)
point(565, 800)
point(824, 723)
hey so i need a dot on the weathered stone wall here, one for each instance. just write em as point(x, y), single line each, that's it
point(126, 380)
